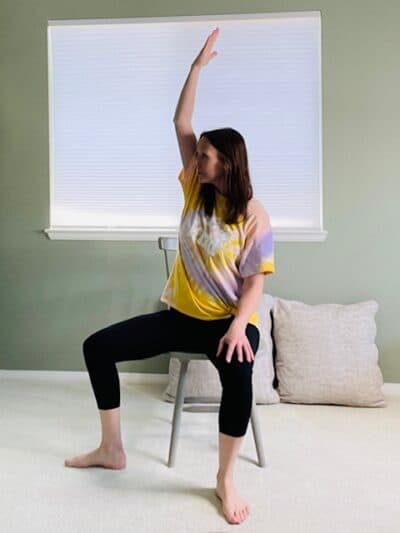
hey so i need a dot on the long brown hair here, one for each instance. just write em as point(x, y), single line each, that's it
point(232, 154)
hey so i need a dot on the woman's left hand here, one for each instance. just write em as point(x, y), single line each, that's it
point(236, 337)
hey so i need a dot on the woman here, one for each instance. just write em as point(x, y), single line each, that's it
point(225, 249)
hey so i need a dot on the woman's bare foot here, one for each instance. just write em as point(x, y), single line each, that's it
point(235, 509)
point(107, 458)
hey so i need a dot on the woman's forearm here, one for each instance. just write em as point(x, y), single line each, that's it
point(250, 298)
point(184, 109)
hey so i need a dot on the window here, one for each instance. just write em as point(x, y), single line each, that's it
point(113, 90)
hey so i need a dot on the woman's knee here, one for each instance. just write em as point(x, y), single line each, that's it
point(91, 346)
point(236, 372)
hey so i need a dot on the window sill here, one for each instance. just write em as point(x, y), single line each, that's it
point(142, 234)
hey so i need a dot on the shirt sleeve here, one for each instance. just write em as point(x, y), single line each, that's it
point(258, 253)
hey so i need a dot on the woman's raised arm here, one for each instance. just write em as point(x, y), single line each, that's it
point(184, 110)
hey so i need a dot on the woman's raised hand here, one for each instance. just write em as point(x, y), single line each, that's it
point(206, 53)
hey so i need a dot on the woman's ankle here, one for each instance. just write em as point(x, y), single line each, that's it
point(112, 447)
point(225, 478)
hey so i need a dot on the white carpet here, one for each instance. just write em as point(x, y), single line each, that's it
point(329, 468)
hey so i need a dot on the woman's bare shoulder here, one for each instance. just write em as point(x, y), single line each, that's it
point(256, 209)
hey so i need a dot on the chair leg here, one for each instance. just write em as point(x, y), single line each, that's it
point(176, 422)
point(257, 435)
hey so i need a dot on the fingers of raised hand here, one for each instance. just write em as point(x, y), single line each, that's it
point(214, 34)
point(211, 39)
point(205, 54)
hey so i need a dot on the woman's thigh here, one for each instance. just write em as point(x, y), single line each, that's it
point(151, 334)
point(139, 337)
point(203, 336)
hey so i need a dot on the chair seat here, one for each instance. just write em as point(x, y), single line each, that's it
point(188, 356)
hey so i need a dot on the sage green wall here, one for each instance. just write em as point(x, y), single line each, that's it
point(53, 294)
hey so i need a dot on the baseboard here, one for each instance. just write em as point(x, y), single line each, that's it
point(81, 375)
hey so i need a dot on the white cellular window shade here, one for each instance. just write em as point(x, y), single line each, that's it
point(113, 90)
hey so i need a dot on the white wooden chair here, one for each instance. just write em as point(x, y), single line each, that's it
point(168, 244)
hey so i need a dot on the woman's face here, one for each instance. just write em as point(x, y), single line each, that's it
point(210, 169)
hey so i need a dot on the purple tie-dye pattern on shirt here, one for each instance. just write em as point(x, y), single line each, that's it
point(198, 273)
point(261, 249)
point(223, 286)
point(193, 264)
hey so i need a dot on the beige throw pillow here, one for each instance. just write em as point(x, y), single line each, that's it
point(202, 379)
point(326, 353)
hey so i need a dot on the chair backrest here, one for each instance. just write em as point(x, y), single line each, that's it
point(167, 244)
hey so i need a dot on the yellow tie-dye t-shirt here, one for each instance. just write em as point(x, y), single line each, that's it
point(213, 258)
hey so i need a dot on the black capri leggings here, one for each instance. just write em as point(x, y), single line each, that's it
point(153, 334)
